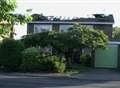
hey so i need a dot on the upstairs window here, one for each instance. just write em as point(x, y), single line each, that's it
point(42, 28)
point(64, 28)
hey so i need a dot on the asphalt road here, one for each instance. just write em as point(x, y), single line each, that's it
point(11, 81)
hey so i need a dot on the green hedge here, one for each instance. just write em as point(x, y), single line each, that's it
point(10, 54)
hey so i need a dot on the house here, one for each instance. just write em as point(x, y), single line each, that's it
point(100, 21)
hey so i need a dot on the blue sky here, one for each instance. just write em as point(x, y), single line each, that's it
point(70, 8)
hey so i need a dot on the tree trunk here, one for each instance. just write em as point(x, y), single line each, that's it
point(12, 32)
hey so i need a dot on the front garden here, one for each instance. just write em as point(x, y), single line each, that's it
point(51, 51)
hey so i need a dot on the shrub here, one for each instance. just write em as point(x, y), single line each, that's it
point(33, 60)
point(85, 60)
point(10, 54)
point(30, 61)
point(52, 63)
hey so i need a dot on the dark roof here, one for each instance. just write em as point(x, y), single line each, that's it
point(99, 18)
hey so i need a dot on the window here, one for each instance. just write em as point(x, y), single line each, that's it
point(89, 26)
point(42, 28)
point(64, 28)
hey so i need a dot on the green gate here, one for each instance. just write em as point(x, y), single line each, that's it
point(106, 58)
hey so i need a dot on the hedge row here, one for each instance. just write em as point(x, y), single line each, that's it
point(15, 57)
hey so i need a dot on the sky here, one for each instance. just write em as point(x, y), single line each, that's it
point(69, 8)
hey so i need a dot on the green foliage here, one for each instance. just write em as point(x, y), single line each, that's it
point(85, 60)
point(116, 33)
point(87, 37)
point(10, 54)
point(39, 39)
point(30, 61)
point(4, 31)
point(77, 38)
point(34, 61)
point(56, 63)
point(6, 9)
point(6, 6)
point(18, 18)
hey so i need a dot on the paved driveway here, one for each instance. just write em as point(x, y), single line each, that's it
point(84, 80)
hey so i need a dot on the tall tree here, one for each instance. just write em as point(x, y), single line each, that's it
point(7, 7)
point(80, 36)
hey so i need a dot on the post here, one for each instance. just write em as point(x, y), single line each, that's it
point(93, 58)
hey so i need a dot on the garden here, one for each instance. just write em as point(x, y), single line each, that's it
point(46, 51)
point(51, 51)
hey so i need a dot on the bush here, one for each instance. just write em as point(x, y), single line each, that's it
point(10, 54)
point(85, 60)
point(30, 61)
point(34, 61)
point(52, 63)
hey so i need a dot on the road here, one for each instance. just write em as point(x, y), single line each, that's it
point(15, 81)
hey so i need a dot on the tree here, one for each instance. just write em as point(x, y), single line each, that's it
point(7, 8)
point(17, 19)
point(116, 33)
point(90, 38)
point(69, 43)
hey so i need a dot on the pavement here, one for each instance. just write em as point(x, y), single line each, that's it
point(92, 79)
point(99, 74)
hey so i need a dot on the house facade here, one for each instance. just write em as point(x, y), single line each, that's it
point(99, 22)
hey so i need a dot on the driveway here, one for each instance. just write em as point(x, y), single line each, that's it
point(92, 79)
